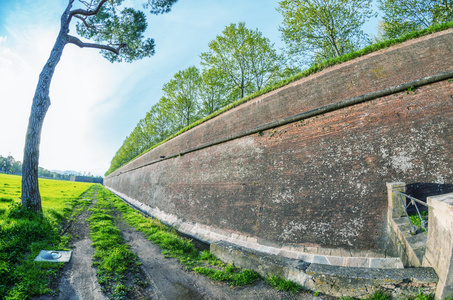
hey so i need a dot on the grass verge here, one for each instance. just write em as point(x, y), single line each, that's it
point(23, 234)
point(115, 263)
point(283, 284)
point(185, 252)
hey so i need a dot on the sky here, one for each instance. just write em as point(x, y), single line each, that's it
point(95, 104)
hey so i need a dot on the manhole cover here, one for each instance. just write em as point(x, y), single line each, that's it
point(54, 256)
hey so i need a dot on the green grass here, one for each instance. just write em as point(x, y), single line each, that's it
point(114, 261)
point(183, 249)
point(56, 195)
point(378, 295)
point(23, 234)
point(415, 219)
point(312, 70)
point(283, 284)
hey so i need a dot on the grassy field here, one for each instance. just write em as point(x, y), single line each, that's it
point(56, 195)
point(23, 234)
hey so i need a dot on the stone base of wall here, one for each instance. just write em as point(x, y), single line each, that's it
point(316, 255)
point(332, 280)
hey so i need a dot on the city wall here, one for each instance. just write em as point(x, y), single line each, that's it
point(301, 171)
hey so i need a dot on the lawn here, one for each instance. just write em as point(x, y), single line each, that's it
point(56, 195)
point(23, 234)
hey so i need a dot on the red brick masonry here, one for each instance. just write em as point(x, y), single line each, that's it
point(319, 182)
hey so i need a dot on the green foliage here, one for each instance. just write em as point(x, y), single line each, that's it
point(182, 93)
point(159, 6)
point(6, 199)
point(159, 120)
point(423, 296)
point(183, 249)
point(58, 197)
point(10, 165)
point(378, 295)
point(229, 274)
point(112, 256)
point(415, 219)
point(23, 233)
point(325, 29)
point(191, 95)
point(283, 284)
point(214, 91)
point(119, 29)
point(404, 16)
point(244, 56)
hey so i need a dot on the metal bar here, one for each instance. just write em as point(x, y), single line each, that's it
point(422, 223)
point(414, 202)
point(415, 199)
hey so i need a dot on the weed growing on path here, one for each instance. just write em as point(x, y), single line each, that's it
point(112, 257)
point(283, 284)
point(183, 249)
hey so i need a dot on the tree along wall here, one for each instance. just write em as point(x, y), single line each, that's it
point(316, 185)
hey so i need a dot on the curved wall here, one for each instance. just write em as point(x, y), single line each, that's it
point(313, 186)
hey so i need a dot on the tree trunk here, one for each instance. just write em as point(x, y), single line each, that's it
point(41, 102)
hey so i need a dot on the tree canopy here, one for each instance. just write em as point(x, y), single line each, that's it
point(240, 62)
point(403, 16)
point(245, 56)
point(182, 93)
point(316, 30)
point(117, 31)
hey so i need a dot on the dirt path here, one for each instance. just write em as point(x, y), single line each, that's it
point(166, 277)
point(171, 281)
point(78, 280)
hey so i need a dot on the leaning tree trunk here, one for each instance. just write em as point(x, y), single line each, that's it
point(41, 102)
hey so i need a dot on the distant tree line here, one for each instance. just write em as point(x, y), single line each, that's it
point(9, 165)
point(241, 61)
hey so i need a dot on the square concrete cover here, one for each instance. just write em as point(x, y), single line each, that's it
point(54, 256)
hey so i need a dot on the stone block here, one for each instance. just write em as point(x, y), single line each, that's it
point(439, 245)
point(320, 259)
point(386, 263)
point(306, 257)
point(395, 207)
point(311, 250)
point(357, 262)
point(336, 260)
point(288, 254)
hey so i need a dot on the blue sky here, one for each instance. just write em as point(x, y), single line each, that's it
point(96, 104)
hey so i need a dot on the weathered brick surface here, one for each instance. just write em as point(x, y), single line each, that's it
point(320, 182)
point(412, 60)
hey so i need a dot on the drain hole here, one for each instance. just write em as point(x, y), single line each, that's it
point(52, 255)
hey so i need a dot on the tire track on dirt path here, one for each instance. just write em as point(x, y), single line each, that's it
point(170, 280)
point(78, 278)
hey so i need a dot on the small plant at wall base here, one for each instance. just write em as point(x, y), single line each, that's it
point(378, 295)
point(410, 89)
point(283, 284)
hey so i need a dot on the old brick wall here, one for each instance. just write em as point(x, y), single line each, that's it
point(319, 182)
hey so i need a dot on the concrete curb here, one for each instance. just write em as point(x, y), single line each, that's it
point(333, 280)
